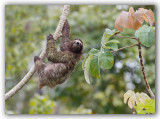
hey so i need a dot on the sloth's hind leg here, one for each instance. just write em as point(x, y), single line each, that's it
point(40, 66)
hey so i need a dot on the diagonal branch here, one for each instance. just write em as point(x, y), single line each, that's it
point(143, 71)
point(141, 62)
point(27, 77)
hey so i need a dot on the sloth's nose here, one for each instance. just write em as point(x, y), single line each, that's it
point(77, 43)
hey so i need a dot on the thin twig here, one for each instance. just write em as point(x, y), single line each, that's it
point(27, 77)
point(128, 37)
point(125, 47)
point(133, 111)
point(143, 71)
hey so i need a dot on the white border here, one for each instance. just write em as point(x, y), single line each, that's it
point(107, 2)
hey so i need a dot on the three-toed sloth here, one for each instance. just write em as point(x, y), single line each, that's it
point(61, 63)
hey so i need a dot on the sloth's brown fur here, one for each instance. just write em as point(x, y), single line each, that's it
point(61, 63)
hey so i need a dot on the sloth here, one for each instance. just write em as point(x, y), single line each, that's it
point(60, 63)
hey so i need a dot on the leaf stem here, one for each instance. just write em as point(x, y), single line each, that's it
point(125, 47)
point(128, 37)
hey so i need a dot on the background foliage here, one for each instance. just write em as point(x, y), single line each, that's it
point(26, 28)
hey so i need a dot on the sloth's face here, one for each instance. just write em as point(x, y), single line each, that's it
point(76, 46)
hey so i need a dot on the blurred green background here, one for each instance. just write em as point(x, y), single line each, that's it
point(26, 27)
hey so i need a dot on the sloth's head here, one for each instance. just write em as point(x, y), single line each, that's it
point(76, 46)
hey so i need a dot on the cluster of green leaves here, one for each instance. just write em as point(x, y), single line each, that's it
point(146, 35)
point(41, 105)
point(102, 57)
point(146, 108)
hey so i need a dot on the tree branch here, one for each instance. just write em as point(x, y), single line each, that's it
point(27, 77)
point(143, 71)
point(141, 62)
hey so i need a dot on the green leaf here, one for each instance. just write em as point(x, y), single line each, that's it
point(113, 41)
point(84, 61)
point(106, 59)
point(107, 47)
point(146, 108)
point(106, 36)
point(146, 35)
point(110, 32)
point(150, 106)
point(94, 52)
point(94, 67)
point(112, 46)
point(87, 68)
point(91, 52)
